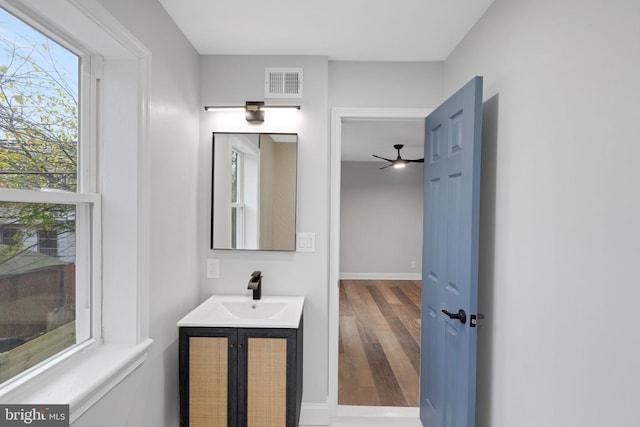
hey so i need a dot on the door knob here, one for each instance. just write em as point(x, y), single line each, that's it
point(460, 315)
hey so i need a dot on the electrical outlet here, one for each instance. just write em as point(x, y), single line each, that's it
point(213, 268)
point(413, 264)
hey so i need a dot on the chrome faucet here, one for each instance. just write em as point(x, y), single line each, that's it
point(255, 284)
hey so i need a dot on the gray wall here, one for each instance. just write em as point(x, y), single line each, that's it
point(234, 79)
point(385, 84)
point(560, 207)
point(182, 83)
point(559, 233)
point(149, 397)
point(380, 221)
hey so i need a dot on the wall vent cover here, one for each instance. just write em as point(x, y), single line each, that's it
point(283, 82)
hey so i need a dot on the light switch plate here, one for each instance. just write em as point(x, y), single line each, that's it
point(306, 242)
point(213, 268)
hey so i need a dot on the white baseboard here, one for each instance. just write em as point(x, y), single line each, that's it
point(378, 411)
point(381, 276)
point(317, 414)
point(314, 414)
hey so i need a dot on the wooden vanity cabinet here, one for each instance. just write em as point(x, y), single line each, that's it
point(240, 377)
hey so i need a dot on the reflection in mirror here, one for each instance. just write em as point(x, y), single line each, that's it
point(254, 191)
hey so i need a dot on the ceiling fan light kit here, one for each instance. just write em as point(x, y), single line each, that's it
point(399, 162)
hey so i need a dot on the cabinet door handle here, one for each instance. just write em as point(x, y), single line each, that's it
point(231, 345)
point(239, 346)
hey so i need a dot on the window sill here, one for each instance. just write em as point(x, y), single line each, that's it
point(82, 379)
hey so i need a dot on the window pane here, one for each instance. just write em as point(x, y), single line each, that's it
point(48, 243)
point(37, 290)
point(234, 227)
point(234, 177)
point(38, 109)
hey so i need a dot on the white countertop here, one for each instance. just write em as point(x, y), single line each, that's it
point(242, 311)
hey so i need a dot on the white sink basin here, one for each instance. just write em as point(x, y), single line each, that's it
point(253, 310)
point(243, 311)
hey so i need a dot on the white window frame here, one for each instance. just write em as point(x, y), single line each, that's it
point(239, 203)
point(88, 253)
point(86, 199)
point(117, 180)
point(248, 147)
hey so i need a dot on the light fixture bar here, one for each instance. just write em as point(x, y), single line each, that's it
point(223, 108)
point(254, 110)
point(243, 107)
point(281, 107)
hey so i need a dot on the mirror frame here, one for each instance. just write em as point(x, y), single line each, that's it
point(293, 246)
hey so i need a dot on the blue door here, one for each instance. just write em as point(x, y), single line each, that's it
point(450, 260)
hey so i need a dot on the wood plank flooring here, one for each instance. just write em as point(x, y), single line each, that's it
point(379, 346)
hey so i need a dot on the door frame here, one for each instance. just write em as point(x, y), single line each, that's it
point(338, 116)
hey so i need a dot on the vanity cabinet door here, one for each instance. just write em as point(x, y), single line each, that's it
point(269, 377)
point(208, 370)
point(263, 392)
point(234, 377)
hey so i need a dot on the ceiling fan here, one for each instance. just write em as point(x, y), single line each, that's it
point(399, 162)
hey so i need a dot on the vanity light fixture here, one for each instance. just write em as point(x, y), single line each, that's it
point(254, 110)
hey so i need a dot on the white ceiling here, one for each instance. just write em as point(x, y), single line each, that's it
point(351, 30)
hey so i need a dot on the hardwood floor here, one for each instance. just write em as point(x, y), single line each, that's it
point(379, 346)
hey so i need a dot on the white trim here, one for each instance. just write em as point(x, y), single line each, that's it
point(144, 189)
point(115, 40)
point(98, 15)
point(82, 380)
point(379, 114)
point(83, 376)
point(115, 363)
point(379, 411)
point(61, 197)
point(314, 414)
point(380, 276)
point(338, 115)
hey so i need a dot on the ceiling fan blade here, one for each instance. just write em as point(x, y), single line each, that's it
point(399, 161)
point(383, 158)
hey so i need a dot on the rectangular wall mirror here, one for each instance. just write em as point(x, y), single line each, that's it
point(254, 184)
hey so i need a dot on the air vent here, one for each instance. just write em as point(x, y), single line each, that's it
point(283, 82)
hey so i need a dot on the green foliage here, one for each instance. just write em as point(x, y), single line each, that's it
point(38, 120)
point(38, 138)
point(23, 220)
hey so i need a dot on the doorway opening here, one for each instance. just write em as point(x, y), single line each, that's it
point(370, 287)
point(379, 353)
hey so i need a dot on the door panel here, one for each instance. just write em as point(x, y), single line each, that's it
point(430, 393)
point(208, 388)
point(450, 350)
point(450, 259)
point(266, 382)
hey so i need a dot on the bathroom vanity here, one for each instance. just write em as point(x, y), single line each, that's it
point(241, 362)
